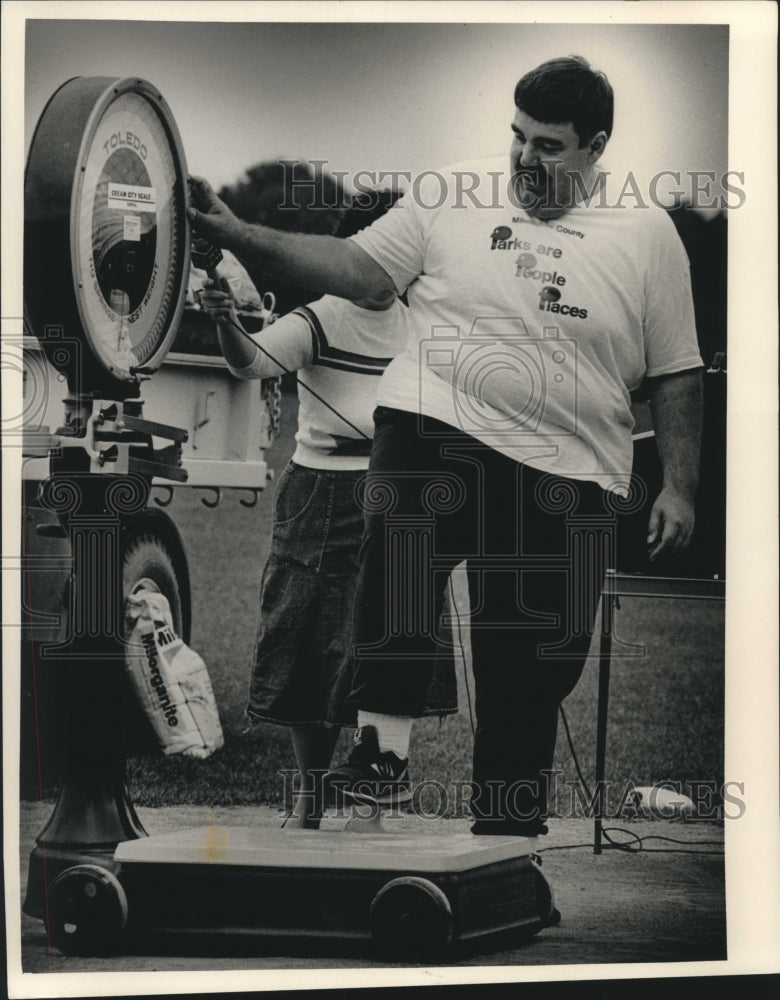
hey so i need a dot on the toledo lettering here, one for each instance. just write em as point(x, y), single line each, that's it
point(526, 268)
point(128, 139)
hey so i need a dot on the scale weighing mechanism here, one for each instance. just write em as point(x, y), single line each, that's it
point(107, 256)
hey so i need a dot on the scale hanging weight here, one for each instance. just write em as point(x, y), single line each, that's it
point(107, 242)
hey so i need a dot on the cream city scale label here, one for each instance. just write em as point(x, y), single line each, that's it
point(131, 197)
point(126, 235)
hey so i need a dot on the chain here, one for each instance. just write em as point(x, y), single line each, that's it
point(271, 392)
point(274, 393)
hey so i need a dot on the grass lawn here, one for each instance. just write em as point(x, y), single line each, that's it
point(666, 707)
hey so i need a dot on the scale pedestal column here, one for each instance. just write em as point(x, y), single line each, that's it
point(93, 812)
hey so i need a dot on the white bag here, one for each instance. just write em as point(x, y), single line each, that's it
point(170, 679)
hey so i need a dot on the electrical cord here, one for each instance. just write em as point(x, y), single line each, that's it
point(462, 655)
point(633, 846)
point(573, 752)
point(341, 416)
point(636, 844)
point(267, 353)
point(288, 371)
point(638, 849)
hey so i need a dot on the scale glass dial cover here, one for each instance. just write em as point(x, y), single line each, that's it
point(127, 233)
point(107, 241)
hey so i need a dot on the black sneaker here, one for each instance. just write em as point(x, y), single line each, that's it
point(371, 776)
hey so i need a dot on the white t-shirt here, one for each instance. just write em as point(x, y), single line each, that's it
point(339, 352)
point(528, 334)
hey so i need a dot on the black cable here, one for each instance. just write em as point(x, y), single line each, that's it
point(577, 767)
point(676, 840)
point(341, 416)
point(560, 847)
point(636, 845)
point(287, 371)
point(462, 654)
point(631, 850)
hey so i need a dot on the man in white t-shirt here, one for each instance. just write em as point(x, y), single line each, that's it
point(503, 432)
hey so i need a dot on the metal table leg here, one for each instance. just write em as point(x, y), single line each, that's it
point(605, 654)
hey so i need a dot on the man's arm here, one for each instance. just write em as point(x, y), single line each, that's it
point(676, 407)
point(325, 264)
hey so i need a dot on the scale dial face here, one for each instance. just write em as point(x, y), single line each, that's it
point(128, 232)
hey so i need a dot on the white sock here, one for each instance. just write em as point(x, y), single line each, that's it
point(393, 731)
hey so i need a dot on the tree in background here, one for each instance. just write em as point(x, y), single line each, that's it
point(294, 196)
point(705, 239)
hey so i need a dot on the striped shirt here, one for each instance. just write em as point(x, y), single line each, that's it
point(339, 351)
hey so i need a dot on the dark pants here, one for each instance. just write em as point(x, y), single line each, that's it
point(536, 548)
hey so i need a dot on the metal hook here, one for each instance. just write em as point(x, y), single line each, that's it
point(253, 502)
point(166, 502)
point(218, 494)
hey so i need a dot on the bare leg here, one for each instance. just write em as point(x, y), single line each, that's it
point(313, 747)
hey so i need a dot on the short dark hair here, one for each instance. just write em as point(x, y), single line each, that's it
point(568, 90)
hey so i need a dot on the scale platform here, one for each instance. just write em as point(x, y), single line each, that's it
point(406, 896)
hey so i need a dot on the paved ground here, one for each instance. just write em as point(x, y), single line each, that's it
point(617, 907)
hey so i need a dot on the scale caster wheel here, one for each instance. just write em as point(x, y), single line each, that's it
point(87, 911)
point(411, 920)
point(545, 900)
